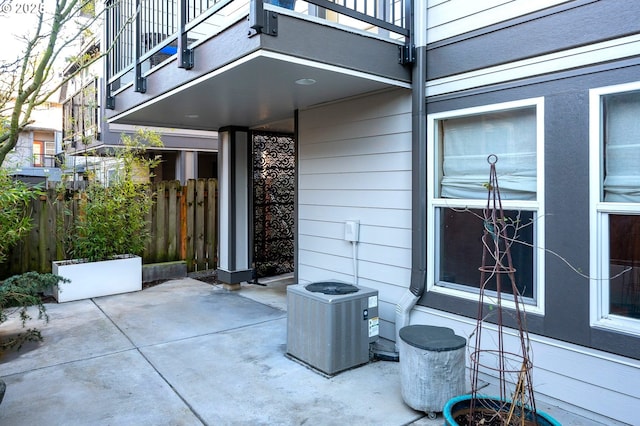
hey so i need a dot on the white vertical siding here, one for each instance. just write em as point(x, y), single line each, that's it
point(355, 164)
point(448, 18)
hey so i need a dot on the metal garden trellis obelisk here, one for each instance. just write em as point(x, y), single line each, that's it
point(511, 362)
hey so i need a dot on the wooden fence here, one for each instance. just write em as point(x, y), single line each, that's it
point(182, 223)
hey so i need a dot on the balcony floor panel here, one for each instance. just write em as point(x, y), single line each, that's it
point(250, 81)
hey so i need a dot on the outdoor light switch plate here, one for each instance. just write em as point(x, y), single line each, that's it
point(351, 230)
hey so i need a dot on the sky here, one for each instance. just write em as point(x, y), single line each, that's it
point(15, 23)
point(17, 20)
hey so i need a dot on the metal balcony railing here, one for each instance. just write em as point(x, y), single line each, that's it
point(80, 115)
point(49, 161)
point(141, 34)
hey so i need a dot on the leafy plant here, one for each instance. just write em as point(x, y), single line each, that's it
point(112, 219)
point(14, 218)
point(19, 292)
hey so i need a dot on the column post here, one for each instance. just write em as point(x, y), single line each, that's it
point(234, 201)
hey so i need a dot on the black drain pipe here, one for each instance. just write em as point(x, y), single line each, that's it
point(418, 168)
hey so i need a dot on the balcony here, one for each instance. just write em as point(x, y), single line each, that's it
point(41, 169)
point(80, 118)
point(206, 64)
point(47, 161)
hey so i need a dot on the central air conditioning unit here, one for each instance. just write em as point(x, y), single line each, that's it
point(330, 325)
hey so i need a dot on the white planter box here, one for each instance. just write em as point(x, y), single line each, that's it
point(94, 279)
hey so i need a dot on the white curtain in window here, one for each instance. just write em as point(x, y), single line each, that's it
point(622, 148)
point(468, 141)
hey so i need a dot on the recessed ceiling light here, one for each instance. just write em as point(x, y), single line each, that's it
point(306, 81)
point(191, 116)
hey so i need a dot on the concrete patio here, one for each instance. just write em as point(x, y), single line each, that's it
point(190, 353)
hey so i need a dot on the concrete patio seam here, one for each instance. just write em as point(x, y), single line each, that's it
point(139, 349)
point(59, 364)
point(175, 391)
point(181, 339)
point(164, 379)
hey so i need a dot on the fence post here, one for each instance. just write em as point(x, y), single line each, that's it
point(212, 223)
point(191, 193)
point(183, 223)
point(59, 221)
point(199, 225)
point(43, 261)
point(149, 254)
point(161, 222)
point(174, 220)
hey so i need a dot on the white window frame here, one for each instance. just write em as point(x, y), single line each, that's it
point(599, 219)
point(537, 207)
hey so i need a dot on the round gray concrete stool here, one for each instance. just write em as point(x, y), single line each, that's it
point(432, 367)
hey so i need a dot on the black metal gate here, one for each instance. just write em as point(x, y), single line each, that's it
point(273, 203)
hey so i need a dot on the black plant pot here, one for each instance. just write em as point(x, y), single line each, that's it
point(460, 405)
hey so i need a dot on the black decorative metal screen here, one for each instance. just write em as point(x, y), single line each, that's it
point(273, 203)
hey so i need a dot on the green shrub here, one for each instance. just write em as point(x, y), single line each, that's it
point(19, 292)
point(112, 220)
point(15, 220)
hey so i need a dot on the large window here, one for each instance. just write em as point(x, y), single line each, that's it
point(615, 191)
point(462, 141)
point(80, 116)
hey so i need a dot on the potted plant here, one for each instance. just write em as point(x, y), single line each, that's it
point(109, 228)
point(516, 403)
point(492, 411)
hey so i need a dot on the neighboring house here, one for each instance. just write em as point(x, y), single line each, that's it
point(87, 139)
point(35, 158)
point(397, 138)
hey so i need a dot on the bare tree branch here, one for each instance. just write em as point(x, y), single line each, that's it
point(30, 82)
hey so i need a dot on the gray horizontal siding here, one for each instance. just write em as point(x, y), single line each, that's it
point(562, 27)
point(449, 18)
